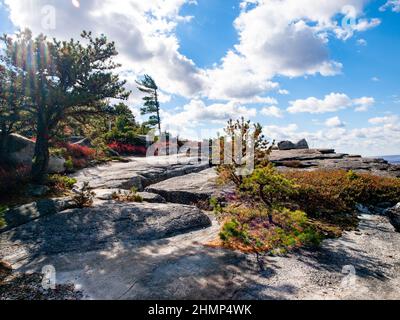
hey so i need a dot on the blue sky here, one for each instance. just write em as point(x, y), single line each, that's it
point(323, 70)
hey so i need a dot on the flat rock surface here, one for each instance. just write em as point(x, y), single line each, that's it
point(328, 159)
point(83, 230)
point(138, 172)
point(188, 189)
point(182, 267)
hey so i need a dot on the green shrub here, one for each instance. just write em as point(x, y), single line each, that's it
point(69, 164)
point(249, 230)
point(323, 192)
point(132, 196)
point(84, 197)
point(234, 230)
point(3, 209)
point(216, 205)
point(61, 182)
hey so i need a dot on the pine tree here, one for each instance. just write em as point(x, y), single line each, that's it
point(63, 80)
point(151, 104)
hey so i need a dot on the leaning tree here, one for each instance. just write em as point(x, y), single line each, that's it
point(63, 80)
point(151, 103)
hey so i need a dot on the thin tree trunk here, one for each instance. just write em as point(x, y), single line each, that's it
point(41, 158)
point(3, 143)
point(158, 112)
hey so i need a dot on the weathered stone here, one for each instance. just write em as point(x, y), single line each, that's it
point(188, 189)
point(23, 214)
point(56, 165)
point(21, 150)
point(37, 190)
point(288, 145)
point(328, 159)
point(151, 197)
point(83, 230)
point(302, 144)
point(108, 194)
point(326, 151)
point(394, 216)
point(84, 142)
point(362, 209)
point(138, 173)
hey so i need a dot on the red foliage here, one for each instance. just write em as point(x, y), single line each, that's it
point(79, 163)
point(12, 178)
point(127, 149)
point(78, 152)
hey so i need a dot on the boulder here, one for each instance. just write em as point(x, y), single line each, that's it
point(56, 165)
point(151, 197)
point(84, 142)
point(21, 150)
point(23, 214)
point(288, 145)
point(191, 188)
point(37, 190)
point(394, 216)
point(302, 144)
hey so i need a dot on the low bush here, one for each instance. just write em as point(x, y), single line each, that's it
point(80, 152)
point(132, 196)
point(12, 178)
point(3, 209)
point(324, 192)
point(127, 149)
point(250, 230)
point(84, 197)
point(61, 183)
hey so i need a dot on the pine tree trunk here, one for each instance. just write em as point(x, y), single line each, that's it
point(3, 143)
point(41, 158)
point(158, 113)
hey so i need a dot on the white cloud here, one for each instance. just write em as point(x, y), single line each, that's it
point(283, 92)
point(363, 104)
point(362, 42)
point(381, 139)
point(331, 103)
point(272, 111)
point(335, 122)
point(197, 113)
point(394, 5)
point(392, 119)
point(282, 37)
point(144, 35)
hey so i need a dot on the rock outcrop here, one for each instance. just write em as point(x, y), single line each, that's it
point(20, 150)
point(101, 226)
point(138, 172)
point(24, 214)
point(327, 159)
point(188, 189)
point(394, 216)
point(288, 145)
point(108, 194)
